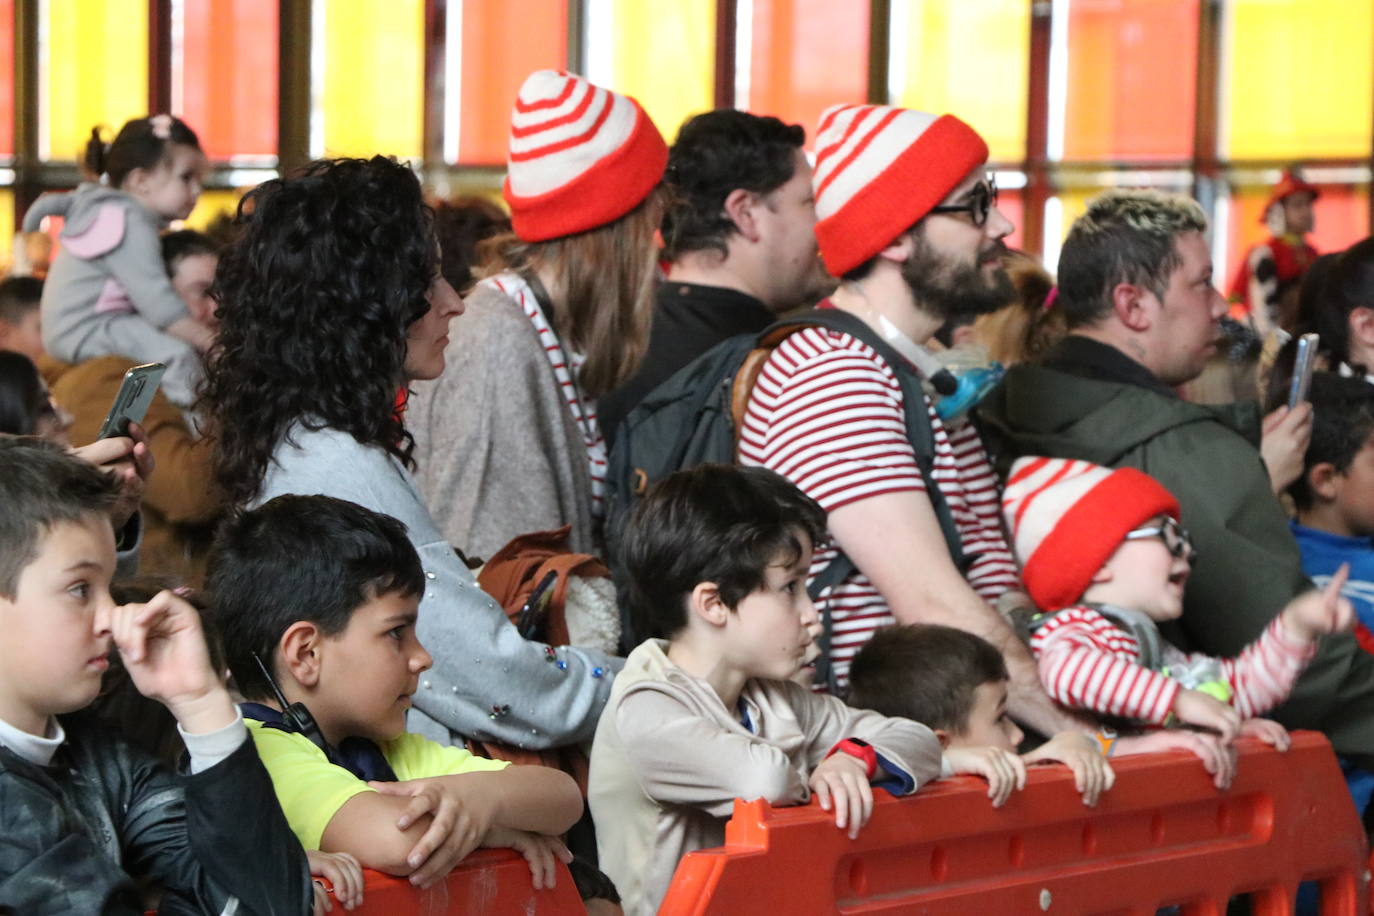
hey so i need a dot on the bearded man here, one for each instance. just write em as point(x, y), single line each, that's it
point(907, 217)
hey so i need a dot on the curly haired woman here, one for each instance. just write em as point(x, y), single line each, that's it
point(507, 440)
point(330, 302)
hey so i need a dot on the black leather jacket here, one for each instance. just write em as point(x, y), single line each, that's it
point(84, 833)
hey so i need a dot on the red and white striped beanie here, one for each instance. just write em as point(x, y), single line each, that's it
point(580, 156)
point(1067, 518)
point(879, 170)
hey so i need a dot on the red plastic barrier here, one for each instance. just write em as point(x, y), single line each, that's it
point(489, 881)
point(1163, 835)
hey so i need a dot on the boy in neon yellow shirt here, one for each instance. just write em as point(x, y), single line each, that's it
point(316, 603)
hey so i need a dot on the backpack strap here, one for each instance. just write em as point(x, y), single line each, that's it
point(919, 434)
point(1142, 628)
point(917, 419)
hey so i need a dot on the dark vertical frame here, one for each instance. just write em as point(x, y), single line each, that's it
point(293, 97)
point(879, 49)
point(435, 81)
point(1036, 165)
point(727, 29)
point(27, 178)
point(1207, 103)
point(577, 36)
point(160, 57)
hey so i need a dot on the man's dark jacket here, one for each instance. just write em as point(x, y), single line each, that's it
point(1089, 401)
point(73, 833)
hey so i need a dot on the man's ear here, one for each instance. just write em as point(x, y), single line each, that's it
point(300, 649)
point(900, 249)
point(705, 602)
point(1361, 323)
point(741, 207)
point(1131, 304)
point(942, 735)
point(1323, 480)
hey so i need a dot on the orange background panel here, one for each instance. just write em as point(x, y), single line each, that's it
point(1132, 70)
point(796, 68)
point(1012, 205)
point(229, 79)
point(503, 42)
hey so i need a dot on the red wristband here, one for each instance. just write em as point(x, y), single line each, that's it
point(860, 749)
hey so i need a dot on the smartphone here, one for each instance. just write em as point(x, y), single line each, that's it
point(1302, 370)
point(131, 403)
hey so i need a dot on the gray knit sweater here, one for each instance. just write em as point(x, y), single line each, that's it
point(497, 451)
point(487, 682)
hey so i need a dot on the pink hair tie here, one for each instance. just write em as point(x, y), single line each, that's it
point(162, 126)
point(1049, 299)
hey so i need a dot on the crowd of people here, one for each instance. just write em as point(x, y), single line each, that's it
point(957, 516)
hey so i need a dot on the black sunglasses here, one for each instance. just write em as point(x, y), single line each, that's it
point(981, 199)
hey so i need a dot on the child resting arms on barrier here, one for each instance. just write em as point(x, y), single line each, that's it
point(716, 560)
point(956, 683)
point(315, 600)
point(87, 818)
point(1104, 558)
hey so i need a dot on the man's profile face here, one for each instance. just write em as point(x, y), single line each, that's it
point(1185, 330)
point(1297, 213)
point(957, 267)
point(787, 220)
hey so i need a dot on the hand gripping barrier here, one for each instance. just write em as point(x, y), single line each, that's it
point(1162, 835)
point(492, 882)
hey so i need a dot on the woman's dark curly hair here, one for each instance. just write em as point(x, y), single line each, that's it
point(330, 268)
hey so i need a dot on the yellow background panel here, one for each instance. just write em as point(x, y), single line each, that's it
point(6, 226)
point(970, 59)
point(374, 64)
point(1301, 78)
point(210, 205)
point(97, 73)
point(664, 54)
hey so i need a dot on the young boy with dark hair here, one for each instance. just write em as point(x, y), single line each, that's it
point(956, 683)
point(716, 560)
point(316, 600)
point(20, 322)
point(84, 815)
point(1334, 495)
point(1104, 558)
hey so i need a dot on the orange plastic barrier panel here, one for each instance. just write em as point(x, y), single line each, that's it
point(489, 881)
point(1163, 835)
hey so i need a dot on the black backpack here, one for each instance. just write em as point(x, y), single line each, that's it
point(692, 418)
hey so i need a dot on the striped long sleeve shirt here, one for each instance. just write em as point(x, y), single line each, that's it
point(1088, 662)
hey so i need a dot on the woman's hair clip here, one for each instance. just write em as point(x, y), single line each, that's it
point(162, 126)
point(1051, 297)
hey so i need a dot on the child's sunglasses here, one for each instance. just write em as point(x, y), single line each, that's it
point(1174, 536)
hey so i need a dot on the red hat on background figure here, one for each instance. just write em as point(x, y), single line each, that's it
point(1289, 184)
point(879, 170)
point(579, 156)
point(1067, 518)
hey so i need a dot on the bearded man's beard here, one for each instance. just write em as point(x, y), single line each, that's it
point(950, 289)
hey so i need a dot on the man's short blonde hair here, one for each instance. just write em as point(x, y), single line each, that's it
point(1125, 236)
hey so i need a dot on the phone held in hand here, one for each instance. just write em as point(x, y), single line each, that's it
point(132, 402)
point(1302, 370)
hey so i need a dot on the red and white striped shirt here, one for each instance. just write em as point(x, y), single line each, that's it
point(566, 365)
point(1088, 662)
point(826, 412)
